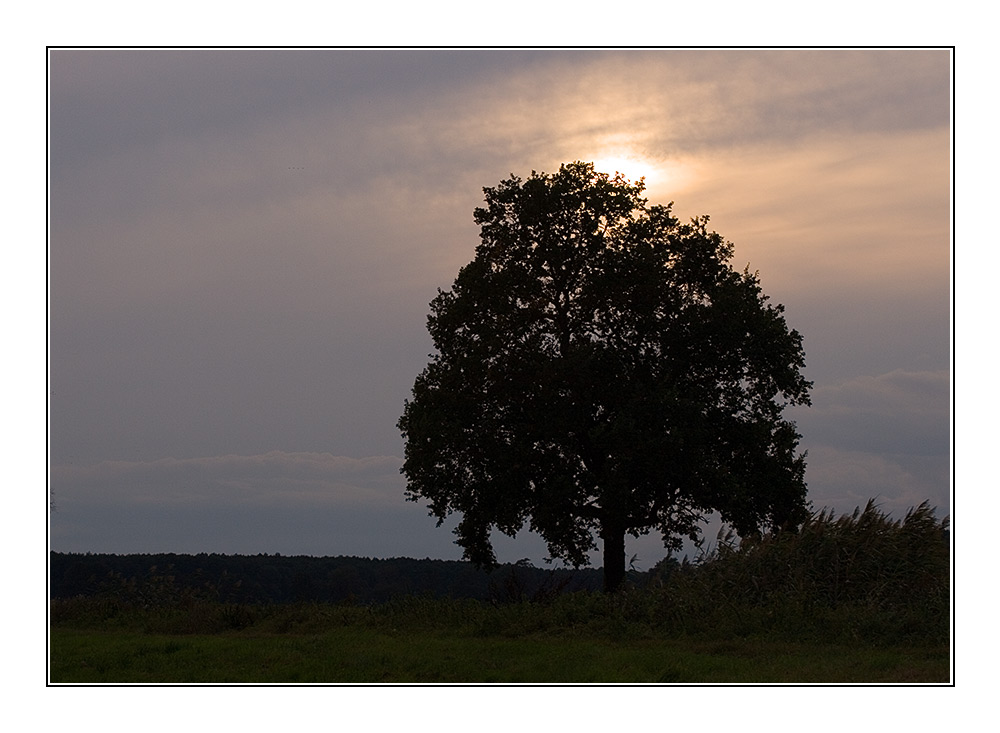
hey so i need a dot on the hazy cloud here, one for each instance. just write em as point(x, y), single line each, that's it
point(898, 413)
point(886, 436)
point(294, 502)
point(273, 477)
point(841, 480)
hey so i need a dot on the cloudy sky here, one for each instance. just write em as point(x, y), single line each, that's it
point(243, 245)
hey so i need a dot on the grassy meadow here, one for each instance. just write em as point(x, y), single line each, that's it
point(855, 599)
point(468, 643)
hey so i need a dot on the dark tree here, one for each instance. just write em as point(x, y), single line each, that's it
point(601, 368)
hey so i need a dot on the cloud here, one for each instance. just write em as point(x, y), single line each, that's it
point(841, 480)
point(319, 479)
point(901, 412)
point(885, 436)
point(294, 503)
point(842, 214)
point(390, 179)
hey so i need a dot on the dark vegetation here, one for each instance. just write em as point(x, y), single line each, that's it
point(862, 578)
point(262, 579)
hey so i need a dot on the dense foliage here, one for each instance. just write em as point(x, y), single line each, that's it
point(602, 369)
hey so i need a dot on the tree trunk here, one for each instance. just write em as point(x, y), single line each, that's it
point(614, 557)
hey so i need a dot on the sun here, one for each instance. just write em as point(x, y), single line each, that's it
point(632, 167)
point(661, 175)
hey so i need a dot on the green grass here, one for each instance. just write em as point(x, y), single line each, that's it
point(574, 638)
point(359, 654)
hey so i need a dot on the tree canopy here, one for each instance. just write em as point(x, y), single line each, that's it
point(601, 368)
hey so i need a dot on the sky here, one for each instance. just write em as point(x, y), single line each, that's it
point(243, 246)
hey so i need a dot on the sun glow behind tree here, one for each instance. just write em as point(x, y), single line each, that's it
point(662, 178)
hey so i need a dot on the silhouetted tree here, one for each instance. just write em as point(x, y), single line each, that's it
point(601, 368)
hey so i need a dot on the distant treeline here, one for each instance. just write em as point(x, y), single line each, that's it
point(283, 579)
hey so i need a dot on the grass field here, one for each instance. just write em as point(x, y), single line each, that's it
point(367, 655)
point(584, 638)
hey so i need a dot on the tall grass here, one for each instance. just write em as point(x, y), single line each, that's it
point(861, 576)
